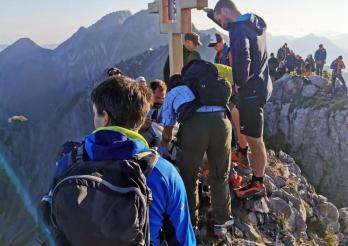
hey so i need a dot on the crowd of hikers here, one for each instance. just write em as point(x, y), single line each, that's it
point(135, 179)
point(287, 61)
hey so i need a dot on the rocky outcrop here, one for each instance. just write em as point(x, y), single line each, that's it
point(291, 214)
point(303, 118)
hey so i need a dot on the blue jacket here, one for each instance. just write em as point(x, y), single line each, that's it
point(169, 209)
point(249, 55)
point(320, 55)
point(226, 56)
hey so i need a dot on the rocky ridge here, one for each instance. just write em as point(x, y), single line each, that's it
point(303, 118)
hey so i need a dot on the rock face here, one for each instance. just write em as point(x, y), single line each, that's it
point(291, 214)
point(304, 119)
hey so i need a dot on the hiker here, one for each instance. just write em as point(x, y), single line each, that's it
point(299, 65)
point(250, 73)
point(159, 89)
point(281, 70)
point(192, 41)
point(141, 81)
point(223, 54)
point(273, 65)
point(120, 107)
point(113, 71)
point(310, 62)
point(320, 60)
point(203, 129)
point(290, 62)
point(283, 52)
point(337, 66)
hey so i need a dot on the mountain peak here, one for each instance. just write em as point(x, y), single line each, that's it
point(24, 43)
point(114, 18)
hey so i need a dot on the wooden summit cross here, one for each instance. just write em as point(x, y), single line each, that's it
point(175, 19)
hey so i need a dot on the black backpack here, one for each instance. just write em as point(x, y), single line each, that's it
point(102, 202)
point(209, 88)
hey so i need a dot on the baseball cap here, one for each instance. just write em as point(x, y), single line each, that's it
point(140, 79)
point(214, 39)
point(194, 37)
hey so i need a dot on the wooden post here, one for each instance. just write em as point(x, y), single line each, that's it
point(175, 57)
point(176, 25)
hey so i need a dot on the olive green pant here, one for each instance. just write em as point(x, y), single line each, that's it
point(206, 133)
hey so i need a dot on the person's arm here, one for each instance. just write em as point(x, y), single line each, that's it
point(241, 60)
point(168, 121)
point(167, 136)
point(166, 71)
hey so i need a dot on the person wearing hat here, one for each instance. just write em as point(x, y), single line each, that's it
point(223, 54)
point(192, 41)
point(141, 81)
point(113, 71)
point(337, 66)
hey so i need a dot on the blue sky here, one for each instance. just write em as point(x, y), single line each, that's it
point(53, 21)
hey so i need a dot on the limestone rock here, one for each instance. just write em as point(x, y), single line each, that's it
point(309, 90)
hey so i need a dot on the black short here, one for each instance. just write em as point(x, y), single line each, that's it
point(251, 116)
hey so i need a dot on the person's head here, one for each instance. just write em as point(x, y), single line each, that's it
point(174, 81)
point(285, 45)
point(141, 81)
point(192, 40)
point(272, 55)
point(113, 71)
point(217, 42)
point(321, 46)
point(118, 101)
point(159, 90)
point(225, 12)
point(340, 58)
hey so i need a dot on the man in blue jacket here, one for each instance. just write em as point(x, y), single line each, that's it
point(120, 107)
point(250, 73)
point(320, 60)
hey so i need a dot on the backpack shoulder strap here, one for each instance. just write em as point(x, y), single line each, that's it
point(147, 161)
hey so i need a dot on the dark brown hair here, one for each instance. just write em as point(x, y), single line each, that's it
point(158, 84)
point(224, 4)
point(126, 103)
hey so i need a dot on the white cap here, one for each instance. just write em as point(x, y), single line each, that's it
point(140, 80)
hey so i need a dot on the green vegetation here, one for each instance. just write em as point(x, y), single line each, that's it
point(317, 227)
point(283, 221)
point(278, 142)
point(330, 239)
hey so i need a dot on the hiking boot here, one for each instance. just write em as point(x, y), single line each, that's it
point(252, 190)
point(241, 159)
point(236, 180)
